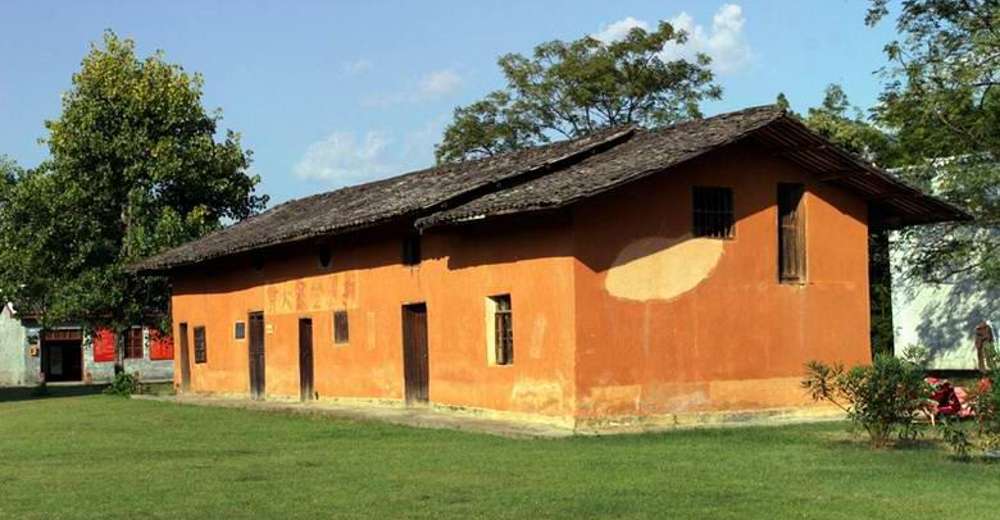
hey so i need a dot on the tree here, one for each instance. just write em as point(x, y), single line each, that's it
point(135, 169)
point(570, 89)
point(942, 105)
point(845, 124)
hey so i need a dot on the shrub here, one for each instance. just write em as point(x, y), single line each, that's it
point(122, 385)
point(986, 404)
point(882, 398)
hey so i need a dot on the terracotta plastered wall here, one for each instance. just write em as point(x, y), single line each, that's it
point(668, 323)
point(459, 271)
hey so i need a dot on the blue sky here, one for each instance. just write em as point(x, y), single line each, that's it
point(328, 94)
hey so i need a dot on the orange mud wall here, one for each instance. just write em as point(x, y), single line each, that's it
point(670, 324)
point(366, 277)
point(617, 311)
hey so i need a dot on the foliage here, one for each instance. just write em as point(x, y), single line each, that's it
point(942, 104)
point(986, 401)
point(123, 385)
point(882, 398)
point(135, 169)
point(844, 124)
point(574, 88)
point(957, 438)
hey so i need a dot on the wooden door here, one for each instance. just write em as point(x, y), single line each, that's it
point(256, 355)
point(415, 366)
point(185, 356)
point(306, 359)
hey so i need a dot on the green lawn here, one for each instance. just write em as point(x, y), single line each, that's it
point(105, 457)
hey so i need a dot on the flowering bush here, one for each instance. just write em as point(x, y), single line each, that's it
point(882, 398)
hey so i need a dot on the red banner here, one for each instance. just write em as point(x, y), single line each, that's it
point(104, 346)
point(161, 346)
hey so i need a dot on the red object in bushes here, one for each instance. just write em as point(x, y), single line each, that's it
point(944, 395)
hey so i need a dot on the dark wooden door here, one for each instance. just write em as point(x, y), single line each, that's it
point(185, 357)
point(415, 373)
point(306, 359)
point(256, 355)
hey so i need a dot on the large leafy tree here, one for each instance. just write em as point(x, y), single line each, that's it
point(942, 103)
point(136, 167)
point(570, 89)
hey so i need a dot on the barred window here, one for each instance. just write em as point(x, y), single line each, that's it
point(713, 212)
point(134, 343)
point(341, 332)
point(200, 347)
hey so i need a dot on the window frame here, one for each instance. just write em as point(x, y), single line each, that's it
point(500, 330)
point(200, 345)
point(341, 327)
point(794, 272)
point(713, 213)
point(135, 334)
point(240, 330)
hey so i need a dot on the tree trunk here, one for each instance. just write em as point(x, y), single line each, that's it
point(120, 339)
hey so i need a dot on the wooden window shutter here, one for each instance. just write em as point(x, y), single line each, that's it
point(791, 233)
point(712, 213)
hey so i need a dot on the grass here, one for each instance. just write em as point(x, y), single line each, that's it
point(105, 457)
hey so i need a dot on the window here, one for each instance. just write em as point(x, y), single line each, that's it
point(713, 212)
point(200, 348)
point(134, 343)
point(500, 330)
point(240, 330)
point(411, 249)
point(791, 233)
point(324, 255)
point(341, 333)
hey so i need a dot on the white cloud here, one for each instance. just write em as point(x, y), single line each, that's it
point(725, 41)
point(358, 67)
point(619, 30)
point(438, 83)
point(431, 86)
point(341, 159)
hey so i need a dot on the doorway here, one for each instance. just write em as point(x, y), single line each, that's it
point(185, 364)
point(306, 391)
point(62, 360)
point(256, 355)
point(415, 365)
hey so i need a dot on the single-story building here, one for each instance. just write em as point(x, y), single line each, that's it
point(69, 353)
point(628, 277)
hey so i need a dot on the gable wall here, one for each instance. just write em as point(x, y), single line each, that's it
point(668, 324)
